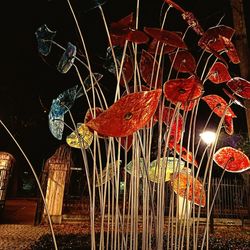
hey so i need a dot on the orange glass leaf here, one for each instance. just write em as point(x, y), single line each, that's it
point(186, 155)
point(167, 37)
point(218, 105)
point(190, 188)
point(232, 160)
point(127, 115)
point(228, 124)
point(240, 87)
point(183, 90)
point(218, 73)
point(183, 61)
point(148, 67)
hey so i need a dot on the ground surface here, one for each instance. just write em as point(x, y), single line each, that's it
point(17, 230)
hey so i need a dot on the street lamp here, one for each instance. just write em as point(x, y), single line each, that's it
point(209, 137)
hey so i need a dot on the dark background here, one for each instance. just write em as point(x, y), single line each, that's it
point(30, 82)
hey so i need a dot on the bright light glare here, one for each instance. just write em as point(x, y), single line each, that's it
point(208, 137)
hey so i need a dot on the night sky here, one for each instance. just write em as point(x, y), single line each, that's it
point(30, 82)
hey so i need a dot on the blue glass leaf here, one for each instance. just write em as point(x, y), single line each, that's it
point(44, 38)
point(87, 83)
point(56, 125)
point(109, 61)
point(63, 102)
point(67, 59)
point(92, 4)
point(59, 107)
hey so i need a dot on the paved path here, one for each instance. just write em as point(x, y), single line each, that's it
point(20, 236)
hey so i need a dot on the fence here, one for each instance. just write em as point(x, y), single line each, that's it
point(231, 200)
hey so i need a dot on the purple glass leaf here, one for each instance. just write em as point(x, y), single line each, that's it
point(67, 59)
point(44, 38)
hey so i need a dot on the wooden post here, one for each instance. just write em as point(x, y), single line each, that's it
point(241, 45)
point(57, 167)
point(55, 190)
point(184, 208)
point(6, 164)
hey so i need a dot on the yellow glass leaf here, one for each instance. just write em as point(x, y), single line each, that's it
point(131, 167)
point(172, 165)
point(107, 173)
point(84, 137)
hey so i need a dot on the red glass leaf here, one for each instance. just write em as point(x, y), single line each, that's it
point(183, 183)
point(240, 87)
point(228, 124)
point(122, 27)
point(233, 98)
point(189, 105)
point(153, 44)
point(174, 5)
point(141, 88)
point(167, 116)
point(118, 40)
point(137, 36)
point(212, 38)
point(218, 105)
point(186, 155)
point(218, 73)
point(127, 115)
point(174, 136)
point(126, 142)
point(149, 66)
point(132, 89)
point(232, 160)
point(193, 22)
point(127, 71)
point(176, 126)
point(184, 61)
point(167, 37)
point(89, 116)
point(182, 89)
point(231, 51)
